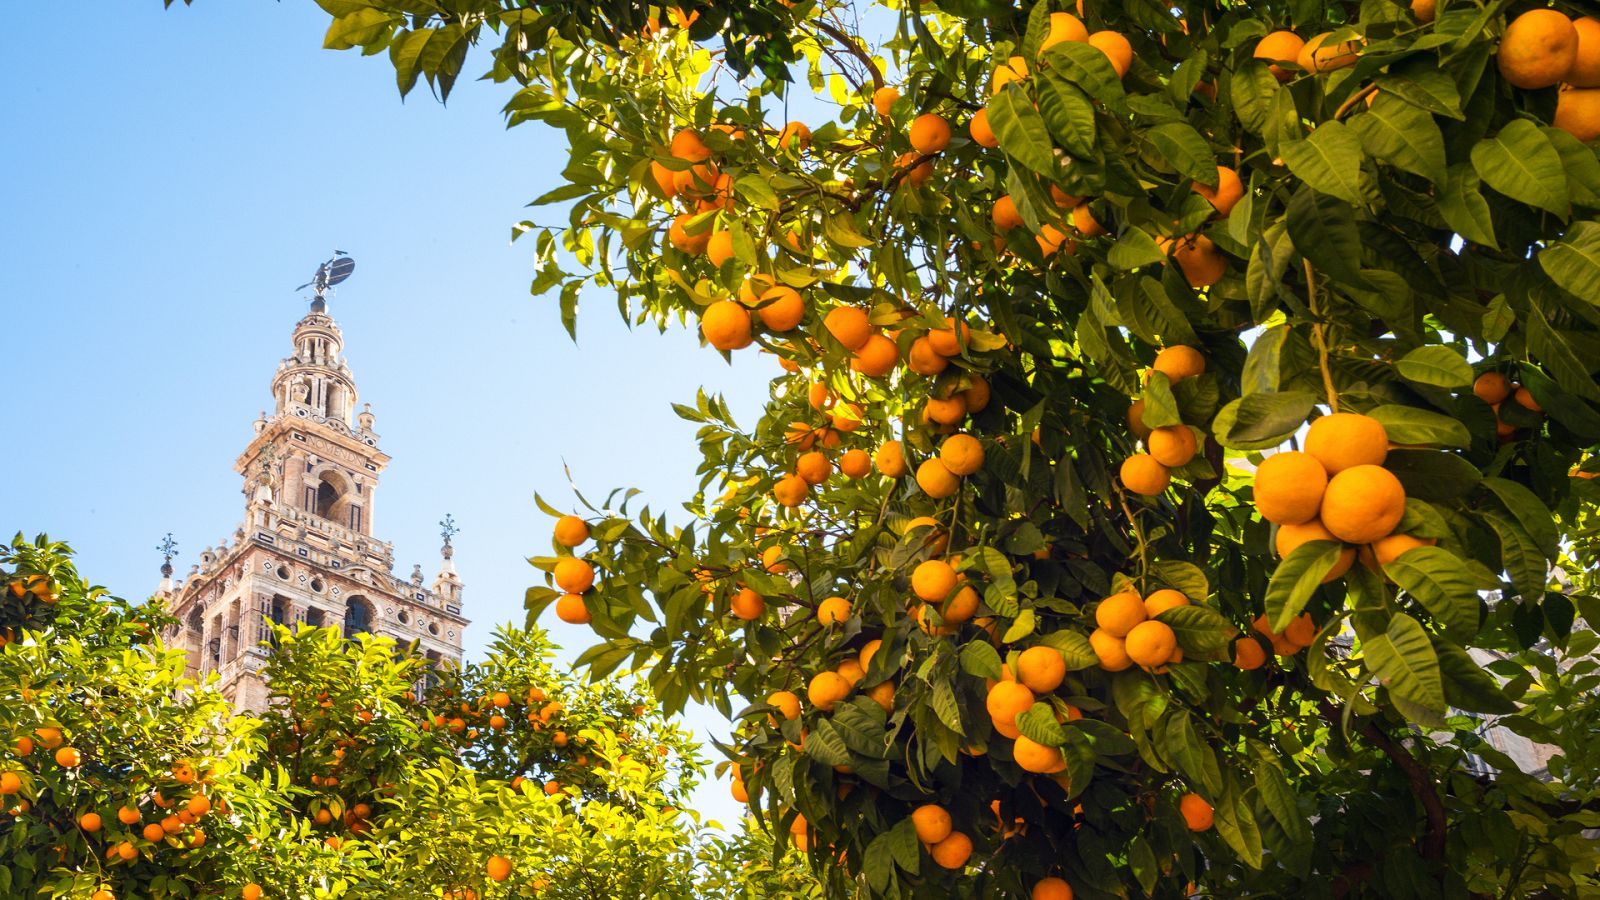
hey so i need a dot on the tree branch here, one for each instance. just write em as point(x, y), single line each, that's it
point(1422, 785)
point(854, 49)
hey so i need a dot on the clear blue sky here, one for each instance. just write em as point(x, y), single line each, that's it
point(171, 176)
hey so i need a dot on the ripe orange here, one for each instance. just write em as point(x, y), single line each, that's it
point(89, 822)
point(1525, 399)
point(946, 341)
point(685, 241)
point(1302, 631)
point(869, 650)
point(916, 173)
point(1318, 56)
point(960, 608)
point(1041, 669)
point(1037, 758)
point(982, 134)
point(686, 145)
point(738, 791)
point(876, 357)
point(1063, 27)
point(1005, 215)
point(1052, 239)
point(1363, 503)
point(849, 326)
point(1247, 654)
point(1084, 222)
point(883, 695)
point(783, 310)
point(571, 609)
point(1051, 889)
point(1143, 475)
point(10, 783)
point(1151, 643)
point(1119, 613)
point(1390, 548)
point(154, 832)
point(127, 815)
point(826, 689)
point(790, 490)
point(814, 467)
point(953, 851)
point(1289, 487)
point(1136, 420)
point(571, 531)
point(1291, 536)
point(923, 359)
point(937, 481)
point(1172, 446)
point(663, 177)
point(1179, 362)
point(929, 134)
point(1538, 49)
point(68, 758)
point(1014, 69)
point(1492, 388)
point(1197, 813)
point(795, 136)
point(1226, 194)
point(726, 325)
point(1163, 600)
point(787, 704)
point(962, 454)
point(947, 410)
point(1424, 9)
point(252, 891)
point(198, 805)
point(883, 99)
point(498, 868)
point(1006, 701)
point(49, 737)
point(103, 894)
point(127, 851)
point(574, 575)
point(1116, 48)
point(1111, 650)
point(833, 611)
point(932, 823)
point(1585, 71)
point(1197, 257)
point(933, 580)
point(977, 396)
point(891, 459)
point(772, 560)
point(1278, 46)
point(1342, 440)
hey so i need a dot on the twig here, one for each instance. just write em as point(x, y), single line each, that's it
point(1318, 332)
point(853, 49)
point(1355, 98)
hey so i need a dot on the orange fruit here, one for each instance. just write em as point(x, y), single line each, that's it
point(934, 539)
point(937, 481)
point(726, 325)
point(1041, 669)
point(1492, 388)
point(251, 891)
point(127, 851)
point(198, 805)
point(1084, 222)
point(891, 459)
point(1179, 362)
point(1390, 548)
point(687, 146)
point(663, 177)
point(1116, 48)
point(103, 894)
point(883, 99)
point(1015, 69)
point(127, 815)
point(787, 704)
point(1163, 600)
point(868, 651)
point(1226, 194)
point(946, 410)
point(680, 237)
point(571, 609)
point(49, 737)
point(849, 326)
point(1318, 56)
point(738, 791)
point(1136, 419)
point(924, 360)
point(10, 783)
point(1363, 503)
point(1344, 440)
point(876, 357)
point(961, 607)
point(1119, 613)
point(953, 851)
point(1279, 46)
point(1289, 487)
point(852, 671)
point(790, 490)
point(855, 463)
point(1424, 9)
point(1064, 27)
point(771, 560)
point(1247, 654)
point(498, 868)
point(795, 136)
point(1051, 888)
point(782, 309)
point(945, 340)
point(929, 134)
point(1032, 756)
point(1585, 71)
point(571, 531)
point(932, 823)
point(1302, 631)
point(933, 580)
point(1197, 257)
point(883, 695)
point(982, 134)
point(1005, 701)
point(1052, 239)
point(1143, 475)
point(68, 758)
point(833, 611)
point(1197, 813)
point(962, 454)
point(916, 173)
point(1172, 446)
point(1292, 536)
point(1005, 215)
point(574, 575)
point(977, 396)
point(814, 467)
point(826, 689)
point(89, 822)
point(154, 832)
point(1150, 643)
point(1538, 49)
point(1524, 399)
point(1110, 649)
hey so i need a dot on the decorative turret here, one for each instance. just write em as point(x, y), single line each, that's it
point(447, 584)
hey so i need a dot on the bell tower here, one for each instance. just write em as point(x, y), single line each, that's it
point(305, 551)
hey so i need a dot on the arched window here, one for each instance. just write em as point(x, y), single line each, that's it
point(327, 499)
point(196, 620)
point(357, 617)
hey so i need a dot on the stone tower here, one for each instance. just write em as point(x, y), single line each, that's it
point(305, 551)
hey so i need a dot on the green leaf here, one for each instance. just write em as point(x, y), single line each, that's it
point(1558, 357)
point(1402, 135)
point(1520, 557)
point(756, 191)
point(945, 706)
point(1184, 149)
point(1433, 474)
point(980, 659)
point(1067, 113)
point(1200, 629)
point(1278, 797)
point(1264, 416)
point(1410, 425)
point(1086, 67)
point(357, 28)
point(841, 230)
point(1297, 578)
point(1438, 580)
point(1425, 88)
point(1236, 824)
point(1521, 163)
point(1583, 169)
point(1324, 231)
point(1329, 161)
point(1261, 366)
point(1436, 365)
point(1528, 510)
point(1039, 723)
point(1135, 248)
point(1021, 130)
point(1185, 577)
point(1074, 648)
point(405, 54)
point(1574, 261)
point(1462, 205)
point(1404, 661)
point(1467, 685)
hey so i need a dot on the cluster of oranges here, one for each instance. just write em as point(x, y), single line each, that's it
point(1495, 389)
point(1168, 447)
point(39, 586)
point(1542, 48)
point(573, 575)
point(1127, 632)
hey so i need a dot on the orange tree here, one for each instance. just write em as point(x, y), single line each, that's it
point(1170, 475)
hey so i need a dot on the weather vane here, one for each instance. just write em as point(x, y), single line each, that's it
point(168, 548)
point(448, 528)
point(330, 273)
